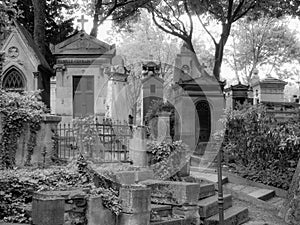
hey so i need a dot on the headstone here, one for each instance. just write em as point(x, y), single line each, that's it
point(163, 128)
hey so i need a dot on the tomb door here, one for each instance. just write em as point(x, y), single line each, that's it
point(83, 95)
point(203, 126)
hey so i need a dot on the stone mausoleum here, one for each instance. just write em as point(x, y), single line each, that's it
point(81, 81)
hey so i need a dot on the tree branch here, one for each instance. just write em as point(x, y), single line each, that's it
point(208, 32)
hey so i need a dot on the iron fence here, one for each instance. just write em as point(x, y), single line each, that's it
point(104, 141)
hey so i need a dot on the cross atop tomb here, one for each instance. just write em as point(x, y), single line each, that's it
point(82, 20)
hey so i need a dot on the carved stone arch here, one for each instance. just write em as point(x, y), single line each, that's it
point(13, 79)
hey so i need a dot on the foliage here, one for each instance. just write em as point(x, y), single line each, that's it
point(86, 125)
point(263, 42)
point(120, 10)
point(8, 12)
point(139, 45)
point(59, 18)
point(260, 148)
point(18, 185)
point(18, 110)
point(167, 158)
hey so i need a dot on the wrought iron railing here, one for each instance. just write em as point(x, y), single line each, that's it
point(105, 141)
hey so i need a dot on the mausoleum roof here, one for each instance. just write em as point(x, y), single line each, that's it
point(81, 43)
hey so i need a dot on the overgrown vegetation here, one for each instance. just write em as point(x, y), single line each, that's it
point(17, 187)
point(18, 111)
point(259, 148)
point(167, 158)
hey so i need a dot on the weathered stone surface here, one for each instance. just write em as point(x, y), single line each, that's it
point(173, 193)
point(209, 206)
point(232, 216)
point(131, 177)
point(191, 212)
point(172, 221)
point(162, 210)
point(135, 199)
point(206, 190)
point(134, 219)
point(98, 215)
point(48, 210)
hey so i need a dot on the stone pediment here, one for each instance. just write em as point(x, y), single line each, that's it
point(83, 44)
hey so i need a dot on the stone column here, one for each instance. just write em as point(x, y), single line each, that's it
point(136, 205)
point(163, 127)
point(138, 148)
point(36, 80)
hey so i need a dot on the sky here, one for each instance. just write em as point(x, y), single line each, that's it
point(226, 72)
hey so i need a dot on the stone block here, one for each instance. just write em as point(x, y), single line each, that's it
point(135, 199)
point(232, 216)
point(126, 177)
point(98, 215)
point(162, 210)
point(189, 212)
point(209, 206)
point(48, 210)
point(173, 193)
point(134, 219)
point(206, 190)
point(145, 175)
point(171, 221)
point(131, 177)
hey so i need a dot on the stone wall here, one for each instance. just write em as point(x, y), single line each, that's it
point(44, 149)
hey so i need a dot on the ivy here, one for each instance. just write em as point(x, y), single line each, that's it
point(18, 185)
point(17, 111)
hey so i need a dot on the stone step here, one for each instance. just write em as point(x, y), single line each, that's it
point(171, 221)
point(209, 206)
point(232, 216)
point(206, 190)
point(277, 202)
point(263, 194)
point(211, 177)
point(161, 210)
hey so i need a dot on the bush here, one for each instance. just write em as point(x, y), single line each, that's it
point(260, 148)
point(17, 187)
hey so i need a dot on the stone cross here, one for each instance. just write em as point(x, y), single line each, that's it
point(82, 21)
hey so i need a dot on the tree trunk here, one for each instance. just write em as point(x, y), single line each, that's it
point(219, 50)
point(94, 30)
point(96, 18)
point(39, 35)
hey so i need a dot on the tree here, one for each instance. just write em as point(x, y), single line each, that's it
point(146, 42)
point(176, 18)
point(8, 12)
point(59, 16)
point(120, 10)
point(264, 42)
point(39, 33)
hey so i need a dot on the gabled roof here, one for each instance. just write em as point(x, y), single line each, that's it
point(28, 40)
point(237, 87)
point(81, 43)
